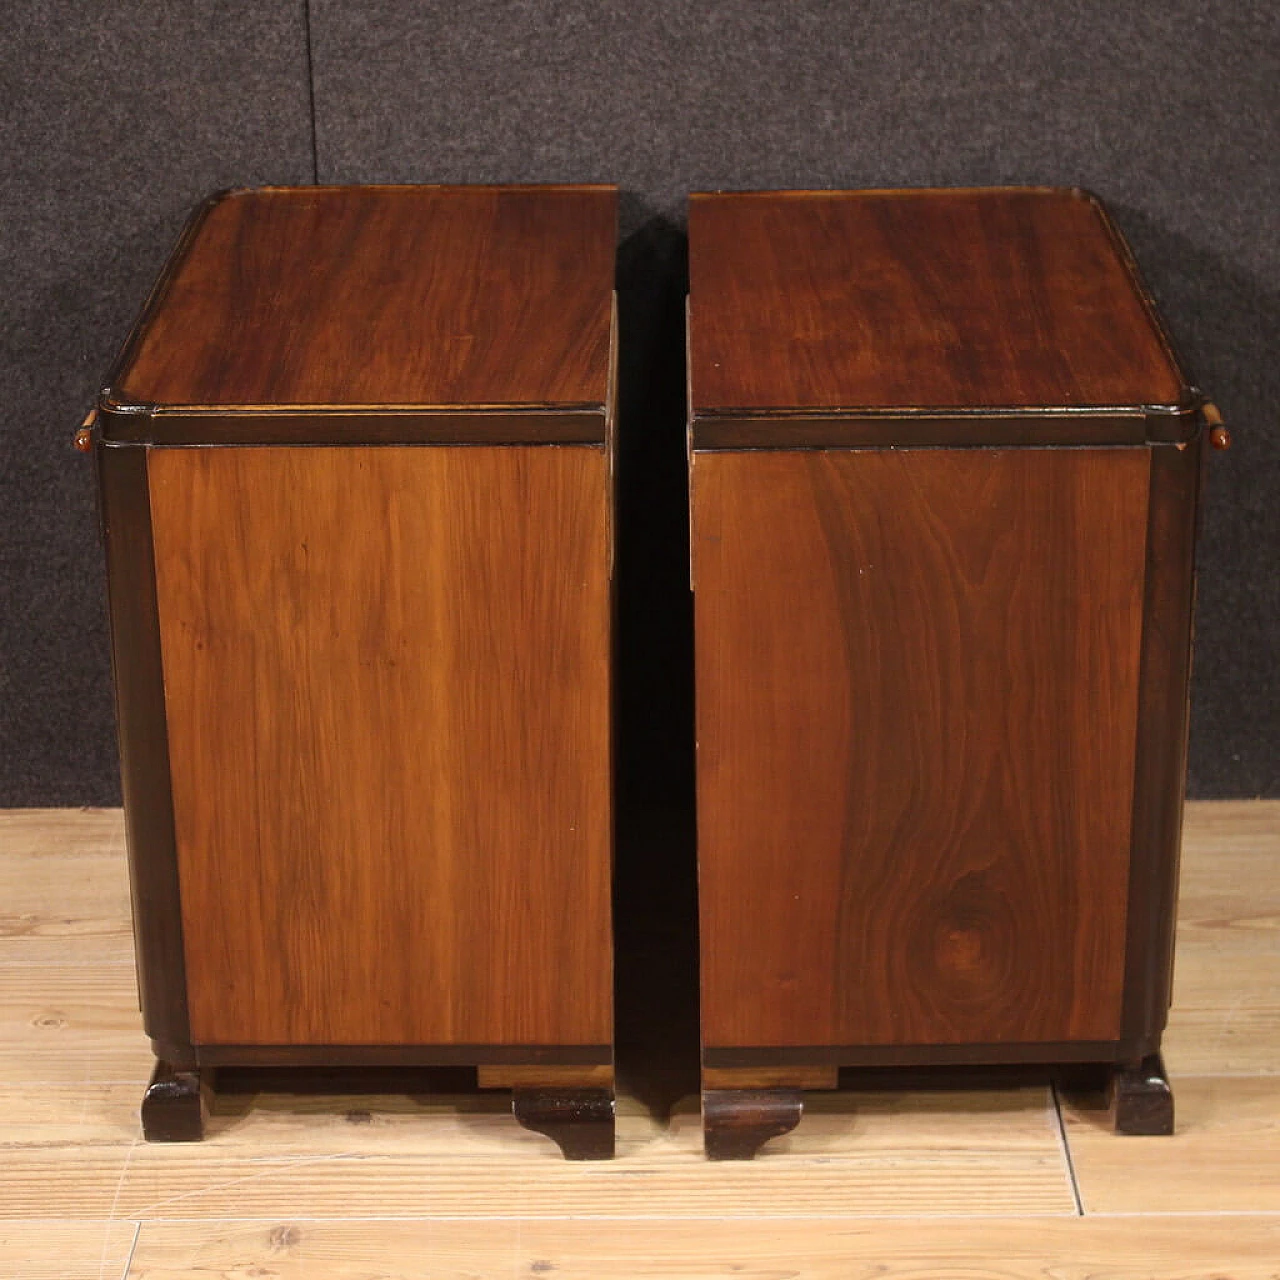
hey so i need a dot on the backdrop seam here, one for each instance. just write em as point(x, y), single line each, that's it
point(311, 92)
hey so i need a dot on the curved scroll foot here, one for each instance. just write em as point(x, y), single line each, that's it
point(176, 1104)
point(1141, 1099)
point(736, 1123)
point(578, 1121)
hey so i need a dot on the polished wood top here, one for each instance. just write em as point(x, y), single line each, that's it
point(383, 296)
point(839, 301)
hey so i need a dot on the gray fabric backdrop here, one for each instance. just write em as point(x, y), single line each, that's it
point(118, 116)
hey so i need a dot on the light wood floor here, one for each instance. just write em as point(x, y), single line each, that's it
point(948, 1181)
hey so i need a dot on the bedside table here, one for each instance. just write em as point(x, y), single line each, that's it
point(355, 472)
point(944, 472)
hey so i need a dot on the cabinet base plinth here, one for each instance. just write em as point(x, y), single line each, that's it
point(736, 1123)
point(176, 1104)
point(1141, 1099)
point(579, 1121)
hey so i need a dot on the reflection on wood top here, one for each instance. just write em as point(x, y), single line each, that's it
point(946, 299)
point(398, 296)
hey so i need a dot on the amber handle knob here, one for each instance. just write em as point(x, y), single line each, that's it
point(1219, 436)
point(84, 436)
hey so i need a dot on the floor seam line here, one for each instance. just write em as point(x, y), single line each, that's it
point(1066, 1148)
point(133, 1248)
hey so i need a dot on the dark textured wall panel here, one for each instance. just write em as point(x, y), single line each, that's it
point(118, 117)
point(1171, 112)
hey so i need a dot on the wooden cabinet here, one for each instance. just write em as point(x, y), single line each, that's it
point(355, 467)
point(944, 479)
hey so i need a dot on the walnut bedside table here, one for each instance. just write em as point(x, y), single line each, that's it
point(944, 476)
point(355, 472)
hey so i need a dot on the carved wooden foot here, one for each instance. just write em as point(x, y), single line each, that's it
point(1141, 1100)
point(176, 1104)
point(736, 1123)
point(578, 1121)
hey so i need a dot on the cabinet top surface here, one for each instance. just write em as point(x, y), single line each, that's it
point(833, 301)
point(419, 297)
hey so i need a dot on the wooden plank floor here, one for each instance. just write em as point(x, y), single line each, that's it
point(1009, 1179)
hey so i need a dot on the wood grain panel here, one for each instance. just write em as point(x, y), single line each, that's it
point(773, 430)
point(393, 296)
point(1226, 991)
point(62, 1250)
point(62, 1182)
point(954, 1153)
point(1036, 1248)
point(30, 836)
point(71, 1022)
point(917, 695)
point(76, 903)
point(949, 299)
point(75, 1114)
point(387, 678)
point(1224, 1155)
point(872, 1183)
point(1227, 1038)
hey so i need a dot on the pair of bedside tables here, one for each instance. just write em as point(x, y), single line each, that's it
point(356, 476)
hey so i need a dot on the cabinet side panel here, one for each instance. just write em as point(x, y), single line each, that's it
point(386, 672)
point(917, 697)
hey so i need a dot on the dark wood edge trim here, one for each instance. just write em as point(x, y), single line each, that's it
point(1141, 1101)
point(804, 192)
point(142, 728)
point(401, 1055)
point(688, 430)
point(182, 1056)
point(911, 430)
point(611, 438)
point(284, 188)
point(1176, 425)
point(355, 428)
point(580, 1121)
point(916, 412)
point(917, 1055)
point(737, 1122)
point(611, 622)
point(1160, 757)
point(175, 1107)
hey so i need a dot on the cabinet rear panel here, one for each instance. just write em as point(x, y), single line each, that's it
point(387, 687)
point(917, 677)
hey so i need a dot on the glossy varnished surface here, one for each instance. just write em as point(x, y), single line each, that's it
point(917, 701)
point(736, 1123)
point(418, 296)
point(386, 673)
point(1141, 1099)
point(579, 1121)
point(880, 300)
point(175, 1106)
